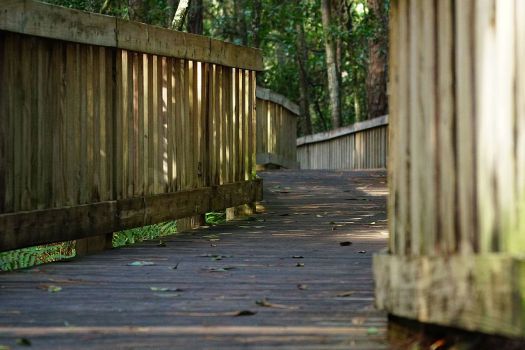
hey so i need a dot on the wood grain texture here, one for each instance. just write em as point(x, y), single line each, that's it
point(457, 234)
point(475, 292)
point(110, 303)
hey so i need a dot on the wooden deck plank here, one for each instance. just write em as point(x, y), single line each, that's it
point(105, 303)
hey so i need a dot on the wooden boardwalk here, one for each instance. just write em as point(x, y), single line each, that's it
point(286, 265)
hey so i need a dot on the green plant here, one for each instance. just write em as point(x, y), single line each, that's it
point(215, 218)
point(27, 257)
point(140, 234)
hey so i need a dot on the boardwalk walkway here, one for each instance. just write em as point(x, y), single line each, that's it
point(312, 292)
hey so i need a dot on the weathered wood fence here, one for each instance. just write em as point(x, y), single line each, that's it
point(276, 130)
point(362, 145)
point(457, 166)
point(107, 124)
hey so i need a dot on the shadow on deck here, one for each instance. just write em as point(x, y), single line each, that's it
point(312, 293)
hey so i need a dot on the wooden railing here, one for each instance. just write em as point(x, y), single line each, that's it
point(276, 130)
point(108, 124)
point(362, 145)
point(456, 166)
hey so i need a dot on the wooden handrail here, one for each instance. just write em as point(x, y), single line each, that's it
point(346, 130)
point(55, 22)
point(362, 145)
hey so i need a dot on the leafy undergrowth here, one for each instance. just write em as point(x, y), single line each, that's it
point(215, 218)
point(27, 257)
point(140, 234)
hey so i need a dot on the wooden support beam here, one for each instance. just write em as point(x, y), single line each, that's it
point(24, 229)
point(484, 293)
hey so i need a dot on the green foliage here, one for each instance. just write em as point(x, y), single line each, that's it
point(27, 257)
point(140, 234)
point(215, 218)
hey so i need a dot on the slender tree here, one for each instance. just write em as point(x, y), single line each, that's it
point(376, 81)
point(195, 17)
point(331, 64)
point(180, 15)
point(304, 96)
point(256, 23)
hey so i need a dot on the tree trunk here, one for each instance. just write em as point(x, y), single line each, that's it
point(305, 125)
point(256, 23)
point(376, 80)
point(180, 15)
point(331, 65)
point(195, 17)
point(137, 10)
point(240, 21)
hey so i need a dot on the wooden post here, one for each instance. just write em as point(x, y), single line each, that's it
point(456, 179)
point(91, 245)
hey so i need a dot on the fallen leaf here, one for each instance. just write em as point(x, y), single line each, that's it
point(345, 294)
point(51, 288)
point(245, 313)
point(215, 256)
point(167, 295)
point(212, 314)
point(345, 244)
point(372, 330)
point(164, 289)
point(265, 303)
point(23, 342)
point(358, 321)
point(221, 269)
point(141, 263)
point(299, 265)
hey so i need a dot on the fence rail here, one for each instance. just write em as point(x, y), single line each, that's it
point(108, 124)
point(276, 130)
point(363, 145)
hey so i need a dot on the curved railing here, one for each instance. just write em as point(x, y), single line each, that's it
point(363, 145)
point(276, 130)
